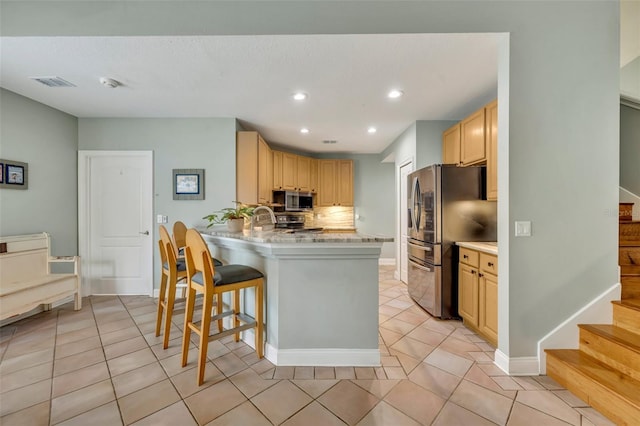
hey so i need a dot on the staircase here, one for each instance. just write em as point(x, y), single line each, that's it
point(605, 370)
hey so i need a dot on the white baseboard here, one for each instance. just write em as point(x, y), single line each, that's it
point(156, 293)
point(516, 366)
point(317, 357)
point(328, 357)
point(566, 335)
point(387, 261)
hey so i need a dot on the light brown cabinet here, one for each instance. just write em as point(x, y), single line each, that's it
point(291, 172)
point(472, 143)
point(313, 175)
point(478, 292)
point(335, 183)
point(254, 168)
point(451, 145)
point(474, 140)
point(491, 127)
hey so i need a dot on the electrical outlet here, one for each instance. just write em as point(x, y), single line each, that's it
point(523, 228)
point(159, 219)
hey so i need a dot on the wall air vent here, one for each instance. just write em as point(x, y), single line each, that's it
point(53, 81)
point(329, 141)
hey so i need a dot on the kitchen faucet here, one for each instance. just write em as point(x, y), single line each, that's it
point(268, 209)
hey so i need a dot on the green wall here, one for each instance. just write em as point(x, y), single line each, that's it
point(558, 109)
point(177, 143)
point(46, 139)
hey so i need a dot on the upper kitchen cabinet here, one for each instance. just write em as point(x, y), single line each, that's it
point(335, 183)
point(472, 138)
point(254, 169)
point(289, 171)
point(451, 145)
point(313, 175)
point(491, 127)
point(292, 172)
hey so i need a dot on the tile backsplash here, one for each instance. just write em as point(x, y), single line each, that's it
point(331, 217)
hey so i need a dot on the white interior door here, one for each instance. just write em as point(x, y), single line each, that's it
point(116, 219)
point(405, 169)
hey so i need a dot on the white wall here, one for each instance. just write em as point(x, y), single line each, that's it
point(177, 143)
point(562, 106)
point(46, 139)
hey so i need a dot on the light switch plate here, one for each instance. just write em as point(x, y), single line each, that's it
point(523, 228)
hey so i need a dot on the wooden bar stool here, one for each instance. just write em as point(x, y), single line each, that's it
point(180, 237)
point(204, 277)
point(173, 271)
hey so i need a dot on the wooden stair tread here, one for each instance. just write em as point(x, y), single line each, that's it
point(616, 382)
point(615, 334)
point(629, 303)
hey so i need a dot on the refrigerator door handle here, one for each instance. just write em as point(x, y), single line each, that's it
point(424, 248)
point(424, 268)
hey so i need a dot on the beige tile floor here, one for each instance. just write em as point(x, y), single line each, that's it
point(104, 366)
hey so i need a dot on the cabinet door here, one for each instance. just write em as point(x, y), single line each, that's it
point(451, 145)
point(472, 145)
point(247, 167)
point(468, 293)
point(304, 174)
point(289, 171)
point(488, 306)
point(313, 175)
point(277, 171)
point(326, 183)
point(344, 183)
point(491, 115)
point(265, 173)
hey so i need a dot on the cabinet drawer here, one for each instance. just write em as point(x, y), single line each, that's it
point(469, 257)
point(489, 263)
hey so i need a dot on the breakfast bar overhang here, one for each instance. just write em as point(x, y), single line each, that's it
point(321, 293)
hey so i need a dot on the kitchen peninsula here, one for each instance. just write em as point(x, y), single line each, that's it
point(321, 293)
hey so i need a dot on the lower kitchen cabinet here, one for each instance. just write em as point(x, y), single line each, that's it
point(478, 292)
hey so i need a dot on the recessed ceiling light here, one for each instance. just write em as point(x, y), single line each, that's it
point(395, 94)
point(372, 130)
point(299, 96)
point(304, 130)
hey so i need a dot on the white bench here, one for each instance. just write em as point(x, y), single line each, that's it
point(26, 280)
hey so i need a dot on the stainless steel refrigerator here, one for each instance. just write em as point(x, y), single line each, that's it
point(445, 205)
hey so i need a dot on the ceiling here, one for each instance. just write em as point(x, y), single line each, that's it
point(252, 78)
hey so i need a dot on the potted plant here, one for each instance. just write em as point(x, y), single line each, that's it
point(233, 216)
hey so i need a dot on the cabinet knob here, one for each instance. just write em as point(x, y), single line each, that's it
point(465, 256)
point(473, 272)
point(481, 275)
point(490, 264)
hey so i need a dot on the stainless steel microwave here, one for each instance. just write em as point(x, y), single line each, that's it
point(292, 201)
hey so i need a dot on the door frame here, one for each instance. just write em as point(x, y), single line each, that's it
point(84, 214)
point(401, 209)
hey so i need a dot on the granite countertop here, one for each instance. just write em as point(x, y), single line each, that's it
point(278, 236)
point(490, 247)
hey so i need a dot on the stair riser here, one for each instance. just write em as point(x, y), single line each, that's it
point(630, 288)
point(629, 256)
point(629, 231)
point(625, 317)
point(611, 353)
point(606, 402)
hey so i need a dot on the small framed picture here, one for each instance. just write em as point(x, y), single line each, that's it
point(13, 174)
point(188, 184)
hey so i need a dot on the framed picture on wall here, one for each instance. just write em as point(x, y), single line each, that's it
point(188, 184)
point(13, 174)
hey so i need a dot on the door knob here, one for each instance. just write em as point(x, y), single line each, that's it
point(144, 233)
